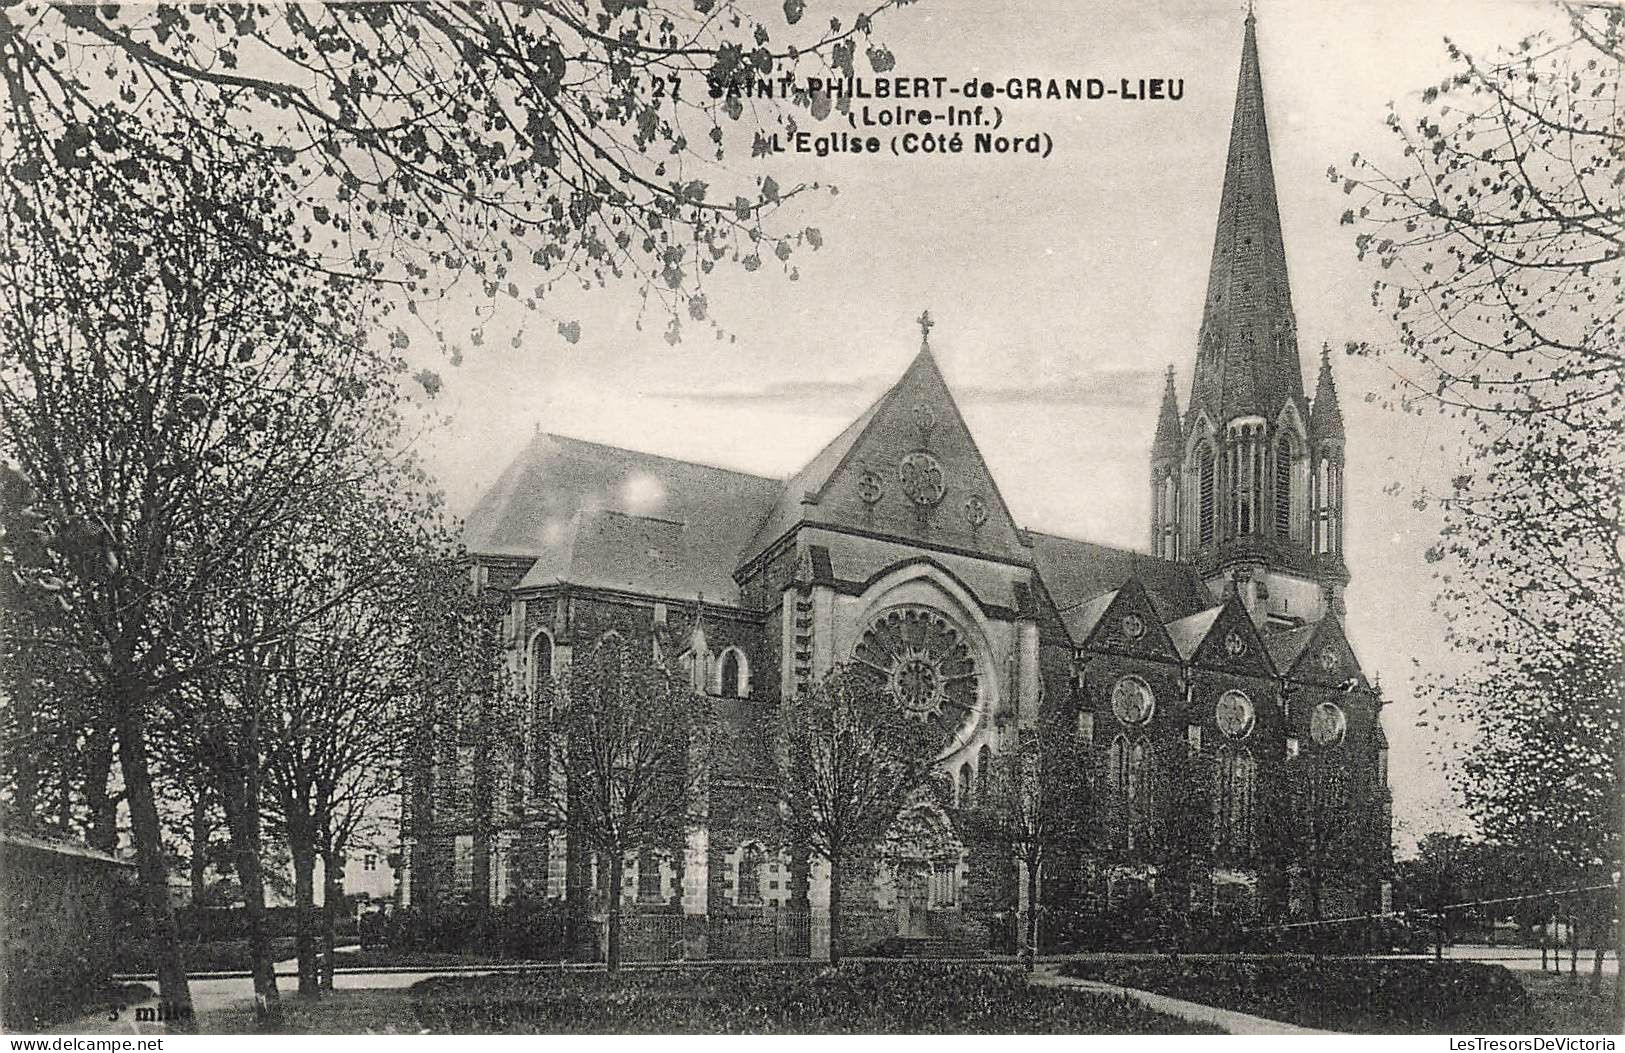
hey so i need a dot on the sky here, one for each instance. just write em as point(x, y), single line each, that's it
point(1061, 287)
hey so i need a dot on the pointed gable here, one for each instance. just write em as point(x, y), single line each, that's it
point(1233, 643)
point(1325, 658)
point(913, 439)
point(1128, 623)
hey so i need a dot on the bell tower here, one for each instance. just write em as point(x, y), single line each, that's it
point(1247, 484)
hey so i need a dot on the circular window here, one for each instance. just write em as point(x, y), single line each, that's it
point(1133, 626)
point(1327, 724)
point(922, 478)
point(870, 488)
point(1234, 714)
point(1330, 660)
point(920, 659)
point(1132, 700)
point(975, 510)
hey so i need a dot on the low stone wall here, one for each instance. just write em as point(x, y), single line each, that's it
point(58, 903)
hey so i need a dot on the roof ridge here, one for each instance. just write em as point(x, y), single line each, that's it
point(660, 457)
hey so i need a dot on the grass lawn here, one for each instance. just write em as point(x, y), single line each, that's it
point(1342, 994)
point(1571, 1008)
point(861, 998)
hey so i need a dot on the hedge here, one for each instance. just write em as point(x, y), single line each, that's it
point(211, 956)
point(1337, 994)
point(858, 997)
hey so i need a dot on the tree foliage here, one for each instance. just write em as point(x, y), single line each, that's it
point(522, 145)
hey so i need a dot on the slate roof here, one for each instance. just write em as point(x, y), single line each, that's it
point(1075, 572)
point(601, 515)
point(786, 511)
point(1081, 620)
point(1285, 645)
point(58, 846)
point(1188, 633)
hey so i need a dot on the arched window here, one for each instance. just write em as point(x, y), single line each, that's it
point(1119, 765)
point(540, 660)
point(1141, 796)
point(733, 674)
point(1235, 796)
point(1328, 503)
point(1207, 504)
point(967, 786)
point(648, 875)
point(984, 765)
point(1166, 516)
point(750, 875)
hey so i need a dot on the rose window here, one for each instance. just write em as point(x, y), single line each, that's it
point(1234, 714)
point(1132, 700)
point(921, 659)
point(1327, 724)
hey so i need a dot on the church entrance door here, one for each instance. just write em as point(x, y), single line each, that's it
point(913, 907)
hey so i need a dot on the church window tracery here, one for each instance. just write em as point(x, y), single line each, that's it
point(1132, 700)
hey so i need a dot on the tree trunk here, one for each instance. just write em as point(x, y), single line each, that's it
point(163, 933)
point(612, 954)
point(99, 800)
point(332, 902)
point(243, 820)
point(304, 900)
point(198, 866)
point(26, 770)
point(1029, 951)
point(1574, 948)
point(835, 908)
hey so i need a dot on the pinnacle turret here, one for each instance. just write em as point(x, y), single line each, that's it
point(1168, 439)
point(1326, 416)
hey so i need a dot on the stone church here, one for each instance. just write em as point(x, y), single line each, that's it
point(1235, 764)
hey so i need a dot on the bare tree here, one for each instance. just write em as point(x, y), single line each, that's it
point(624, 750)
point(1036, 800)
point(852, 758)
point(176, 391)
point(1502, 239)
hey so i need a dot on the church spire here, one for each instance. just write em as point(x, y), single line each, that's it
point(1247, 360)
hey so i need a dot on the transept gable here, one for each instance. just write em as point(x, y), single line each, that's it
point(908, 469)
